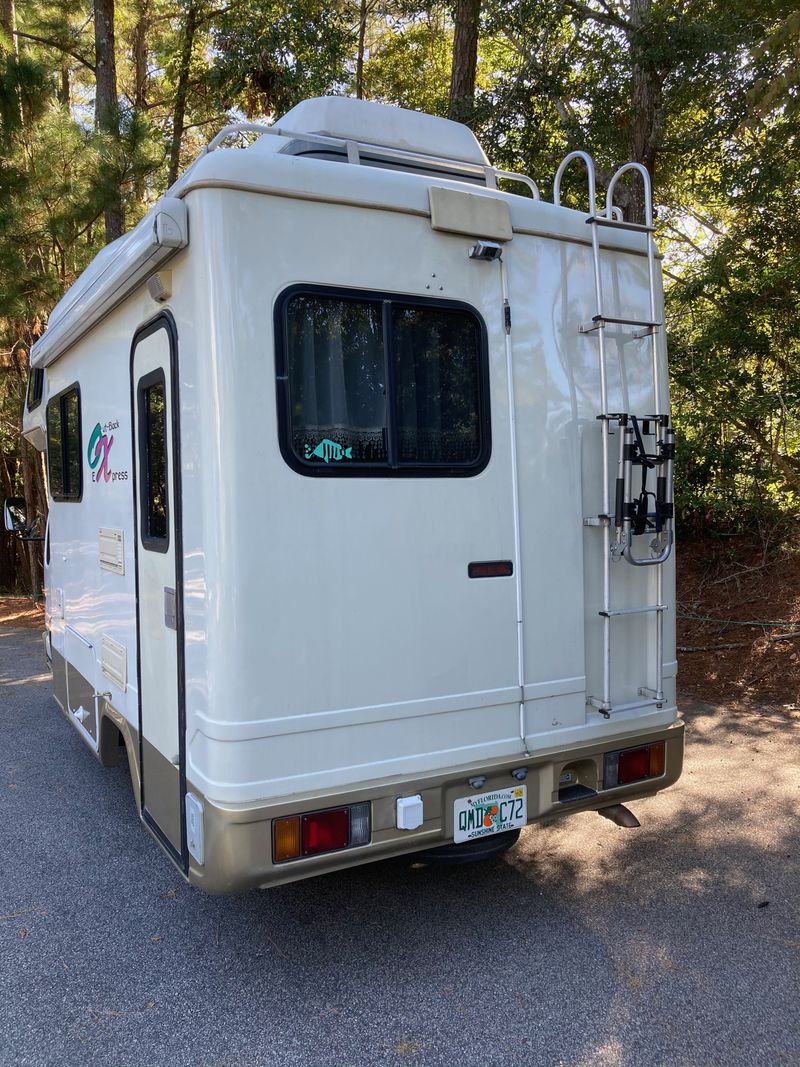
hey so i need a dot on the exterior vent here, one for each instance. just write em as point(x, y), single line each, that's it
point(114, 662)
point(112, 550)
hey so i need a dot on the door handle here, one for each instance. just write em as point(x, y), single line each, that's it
point(170, 609)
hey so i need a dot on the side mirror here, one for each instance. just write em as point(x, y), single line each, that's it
point(15, 515)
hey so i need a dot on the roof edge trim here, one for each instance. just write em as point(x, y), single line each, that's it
point(154, 240)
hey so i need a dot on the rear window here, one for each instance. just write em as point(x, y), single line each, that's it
point(381, 385)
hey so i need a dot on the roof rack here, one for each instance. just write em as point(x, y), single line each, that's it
point(355, 149)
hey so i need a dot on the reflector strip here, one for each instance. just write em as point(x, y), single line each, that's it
point(498, 568)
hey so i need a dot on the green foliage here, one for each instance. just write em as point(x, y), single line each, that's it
point(271, 55)
point(735, 342)
point(705, 91)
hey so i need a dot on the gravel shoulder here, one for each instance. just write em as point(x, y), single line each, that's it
point(678, 943)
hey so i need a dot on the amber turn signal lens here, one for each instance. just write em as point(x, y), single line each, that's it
point(286, 839)
point(657, 760)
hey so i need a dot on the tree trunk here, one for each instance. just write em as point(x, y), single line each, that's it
point(141, 79)
point(64, 94)
point(9, 548)
point(465, 61)
point(181, 92)
point(647, 105)
point(31, 476)
point(8, 15)
point(106, 105)
point(362, 33)
point(140, 70)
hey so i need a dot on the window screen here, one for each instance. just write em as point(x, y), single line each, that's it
point(153, 461)
point(64, 445)
point(381, 385)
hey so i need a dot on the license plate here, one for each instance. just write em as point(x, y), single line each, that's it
point(490, 813)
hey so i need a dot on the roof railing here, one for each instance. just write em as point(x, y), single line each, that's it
point(355, 149)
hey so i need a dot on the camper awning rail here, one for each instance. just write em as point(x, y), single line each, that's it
point(115, 272)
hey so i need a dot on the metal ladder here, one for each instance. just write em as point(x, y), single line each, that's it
point(631, 517)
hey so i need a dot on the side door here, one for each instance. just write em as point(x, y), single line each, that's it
point(159, 580)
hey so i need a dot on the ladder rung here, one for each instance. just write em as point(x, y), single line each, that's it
point(608, 709)
point(624, 322)
point(636, 227)
point(633, 611)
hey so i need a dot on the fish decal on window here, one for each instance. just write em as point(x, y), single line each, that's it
point(328, 450)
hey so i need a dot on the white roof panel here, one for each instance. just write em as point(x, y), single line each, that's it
point(384, 125)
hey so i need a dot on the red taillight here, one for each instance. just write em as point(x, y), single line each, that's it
point(315, 832)
point(634, 764)
point(326, 831)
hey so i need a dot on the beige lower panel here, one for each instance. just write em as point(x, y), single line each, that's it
point(112, 721)
point(80, 697)
point(238, 840)
point(108, 748)
point(60, 680)
point(162, 792)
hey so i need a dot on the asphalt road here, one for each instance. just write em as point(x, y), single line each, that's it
point(585, 945)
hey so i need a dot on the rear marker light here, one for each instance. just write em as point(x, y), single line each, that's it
point(497, 568)
point(633, 765)
point(318, 832)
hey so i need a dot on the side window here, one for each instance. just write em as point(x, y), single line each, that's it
point(381, 385)
point(64, 445)
point(35, 387)
point(337, 380)
point(55, 455)
point(153, 500)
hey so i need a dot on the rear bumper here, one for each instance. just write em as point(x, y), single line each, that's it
point(238, 839)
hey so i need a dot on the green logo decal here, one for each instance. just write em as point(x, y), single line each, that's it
point(329, 450)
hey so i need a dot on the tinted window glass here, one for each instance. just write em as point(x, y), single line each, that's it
point(71, 421)
point(64, 445)
point(55, 458)
point(381, 384)
point(35, 386)
point(337, 380)
point(153, 427)
point(437, 382)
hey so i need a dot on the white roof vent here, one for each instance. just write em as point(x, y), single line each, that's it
point(384, 125)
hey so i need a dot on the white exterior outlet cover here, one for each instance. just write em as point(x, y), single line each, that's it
point(410, 814)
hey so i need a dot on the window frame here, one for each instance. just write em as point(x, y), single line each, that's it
point(152, 544)
point(71, 497)
point(379, 470)
point(35, 383)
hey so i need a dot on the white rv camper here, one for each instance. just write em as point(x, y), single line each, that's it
point(360, 518)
